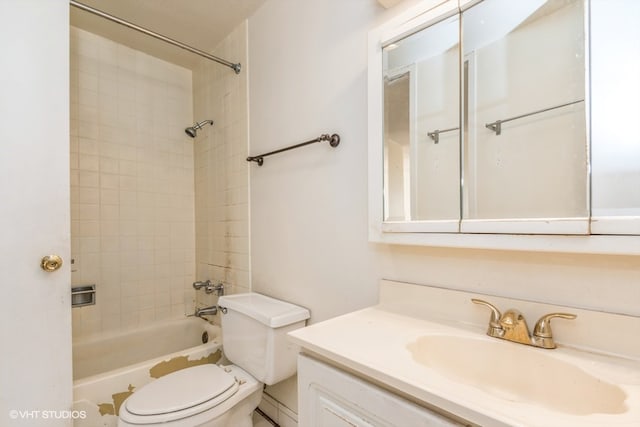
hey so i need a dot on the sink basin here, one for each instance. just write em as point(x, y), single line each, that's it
point(515, 372)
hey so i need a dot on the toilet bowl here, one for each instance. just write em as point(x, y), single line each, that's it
point(254, 329)
point(206, 395)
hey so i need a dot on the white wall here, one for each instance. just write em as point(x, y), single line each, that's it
point(35, 313)
point(132, 193)
point(307, 75)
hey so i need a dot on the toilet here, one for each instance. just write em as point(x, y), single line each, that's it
point(254, 329)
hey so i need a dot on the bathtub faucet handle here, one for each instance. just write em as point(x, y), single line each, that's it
point(218, 289)
point(201, 284)
point(209, 287)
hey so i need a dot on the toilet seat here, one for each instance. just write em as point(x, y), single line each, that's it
point(180, 394)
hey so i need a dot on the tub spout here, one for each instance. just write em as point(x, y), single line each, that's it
point(205, 311)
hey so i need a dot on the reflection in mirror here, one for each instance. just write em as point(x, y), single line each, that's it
point(396, 148)
point(421, 125)
point(525, 142)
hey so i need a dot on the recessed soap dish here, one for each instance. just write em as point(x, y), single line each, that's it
point(83, 295)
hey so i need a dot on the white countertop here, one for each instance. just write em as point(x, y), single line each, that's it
point(373, 343)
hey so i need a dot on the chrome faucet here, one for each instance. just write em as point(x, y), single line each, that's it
point(512, 326)
point(206, 311)
point(209, 287)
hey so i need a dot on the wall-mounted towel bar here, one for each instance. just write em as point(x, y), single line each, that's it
point(334, 141)
point(435, 135)
point(497, 125)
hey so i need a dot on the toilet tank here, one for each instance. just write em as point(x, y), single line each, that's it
point(254, 334)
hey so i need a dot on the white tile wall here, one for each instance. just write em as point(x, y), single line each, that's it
point(132, 192)
point(221, 169)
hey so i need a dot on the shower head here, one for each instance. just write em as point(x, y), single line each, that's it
point(193, 130)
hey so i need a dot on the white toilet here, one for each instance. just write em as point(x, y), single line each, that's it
point(254, 329)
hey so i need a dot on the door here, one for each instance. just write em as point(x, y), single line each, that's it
point(35, 308)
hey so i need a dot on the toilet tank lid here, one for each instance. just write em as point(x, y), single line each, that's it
point(269, 311)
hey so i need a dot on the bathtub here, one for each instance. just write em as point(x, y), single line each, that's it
point(108, 368)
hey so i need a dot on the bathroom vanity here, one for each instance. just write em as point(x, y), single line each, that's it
point(409, 361)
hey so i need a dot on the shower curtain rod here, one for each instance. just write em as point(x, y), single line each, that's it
point(235, 67)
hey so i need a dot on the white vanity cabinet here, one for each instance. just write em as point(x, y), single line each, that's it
point(329, 397)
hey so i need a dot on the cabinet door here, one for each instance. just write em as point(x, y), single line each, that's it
point(332, 398)
point(615, 142)
point(332, 412)
point(421, 128)
point(526, 156)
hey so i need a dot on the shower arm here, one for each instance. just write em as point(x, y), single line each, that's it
point(199, 125)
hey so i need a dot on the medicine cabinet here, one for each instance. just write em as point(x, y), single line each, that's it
point(507, 125)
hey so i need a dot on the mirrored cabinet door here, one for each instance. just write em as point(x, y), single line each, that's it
point(421, 127)
point(525, 142)
point(615, 111)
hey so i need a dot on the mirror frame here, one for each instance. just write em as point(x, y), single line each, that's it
point(421, 233)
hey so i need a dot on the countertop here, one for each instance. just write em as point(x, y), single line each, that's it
point(375, 344)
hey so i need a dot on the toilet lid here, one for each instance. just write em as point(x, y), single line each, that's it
point(183, 389)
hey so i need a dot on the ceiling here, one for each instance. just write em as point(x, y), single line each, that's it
point(201, 24)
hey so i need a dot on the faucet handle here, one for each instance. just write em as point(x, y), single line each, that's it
point(495, 328)
point(211, 288)
point(543, 327)
point(201, 284)
point(542, 334)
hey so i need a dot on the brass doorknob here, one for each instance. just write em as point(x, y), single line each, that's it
point(51, 263)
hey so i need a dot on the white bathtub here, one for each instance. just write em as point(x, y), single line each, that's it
point(108, 368)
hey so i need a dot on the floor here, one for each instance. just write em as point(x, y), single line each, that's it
point(258, 421)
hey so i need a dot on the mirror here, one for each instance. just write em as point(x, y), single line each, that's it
point(421, 125)
point(526, 150)
point(522, 135)
point(615, 90)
